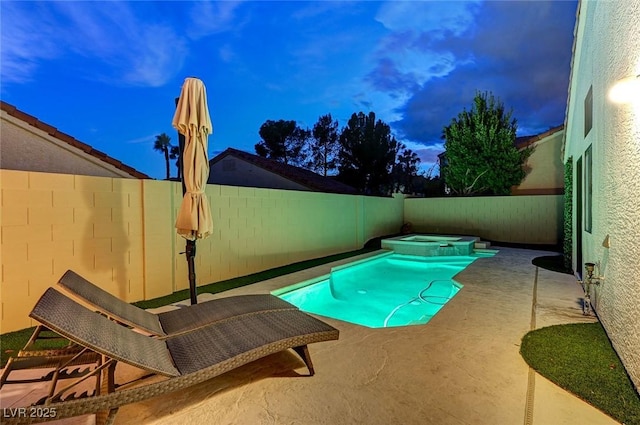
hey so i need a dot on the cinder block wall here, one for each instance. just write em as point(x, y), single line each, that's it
point(120, 234)
point(518, 219)
point(257, 229)
point(54, 222)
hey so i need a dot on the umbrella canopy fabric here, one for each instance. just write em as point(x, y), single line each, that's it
point(192, 120)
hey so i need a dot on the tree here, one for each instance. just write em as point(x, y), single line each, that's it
point(480, 152)
point(174, 153)
point(368, 152)
point(405, 170)
point(163, 144)
point(324, 146)
point(282, 141)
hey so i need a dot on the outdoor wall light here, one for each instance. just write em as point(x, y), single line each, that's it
point(587, 283)
point(626, 90)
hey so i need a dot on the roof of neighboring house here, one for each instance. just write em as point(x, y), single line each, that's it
point(54, 132)
point(524, 141)
point(304, 177)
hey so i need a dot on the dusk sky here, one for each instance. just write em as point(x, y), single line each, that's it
point(107, 73)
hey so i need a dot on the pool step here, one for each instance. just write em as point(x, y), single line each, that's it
point(482, 244)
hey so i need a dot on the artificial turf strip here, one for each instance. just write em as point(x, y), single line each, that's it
point(237, 282)
point(12, 342)
point(579, 358)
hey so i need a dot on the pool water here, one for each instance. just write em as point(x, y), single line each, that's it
point(385, 291)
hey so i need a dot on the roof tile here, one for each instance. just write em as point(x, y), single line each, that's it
point(524, 141)
point(63, 137)
point(304, 177)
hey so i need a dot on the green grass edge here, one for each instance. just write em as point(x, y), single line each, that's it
point(579, 358)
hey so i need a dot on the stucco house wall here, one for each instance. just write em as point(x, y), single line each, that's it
point(545, 167)
point(607, 49)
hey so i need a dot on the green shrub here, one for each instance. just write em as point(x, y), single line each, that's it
point(568, 213)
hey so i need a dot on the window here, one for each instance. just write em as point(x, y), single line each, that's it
point(588, 111)
point(588, 186)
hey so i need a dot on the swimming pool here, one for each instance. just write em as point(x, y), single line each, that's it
point(384, 291)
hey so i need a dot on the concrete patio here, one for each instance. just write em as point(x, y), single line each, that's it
point(463, 367)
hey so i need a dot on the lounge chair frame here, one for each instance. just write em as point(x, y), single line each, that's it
point(287, 329)
point(170, 323)
point(60, 359)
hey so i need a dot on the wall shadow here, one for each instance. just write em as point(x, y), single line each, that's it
point(105, 243)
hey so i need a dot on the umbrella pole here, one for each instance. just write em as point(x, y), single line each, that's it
point(191, 255)
point(190, 248)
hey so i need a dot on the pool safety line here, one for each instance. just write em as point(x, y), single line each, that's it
point(531, 378)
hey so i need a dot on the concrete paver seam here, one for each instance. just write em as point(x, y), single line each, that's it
point(531, 379)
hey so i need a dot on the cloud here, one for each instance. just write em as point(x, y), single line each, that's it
point(27, 43)
point(407, 57)
point(520, 51)
point(414, 27)
point(127, 49)
point(313, 10)
point(212, 17)
point(398, 76)
point(144, 139)
point(438, 18)
point(226, 53)
point(429, 156)
point(144, 53)
point(324, 40)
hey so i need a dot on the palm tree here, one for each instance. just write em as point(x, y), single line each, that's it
point(175, 154)
point(163, 144)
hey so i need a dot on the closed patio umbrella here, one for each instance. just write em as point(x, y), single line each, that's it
point(192, 121)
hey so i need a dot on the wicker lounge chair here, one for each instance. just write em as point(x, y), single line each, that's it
point(184, 360)
point(172, 322)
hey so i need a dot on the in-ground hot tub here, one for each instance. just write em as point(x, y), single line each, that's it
point(431, 245)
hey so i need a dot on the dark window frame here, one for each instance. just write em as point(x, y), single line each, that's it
point(588, 186)
point(588, 111)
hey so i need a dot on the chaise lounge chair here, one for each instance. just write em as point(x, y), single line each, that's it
point(185, 359)
point(172, 322)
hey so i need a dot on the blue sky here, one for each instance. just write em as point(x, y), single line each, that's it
point(107, 73)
